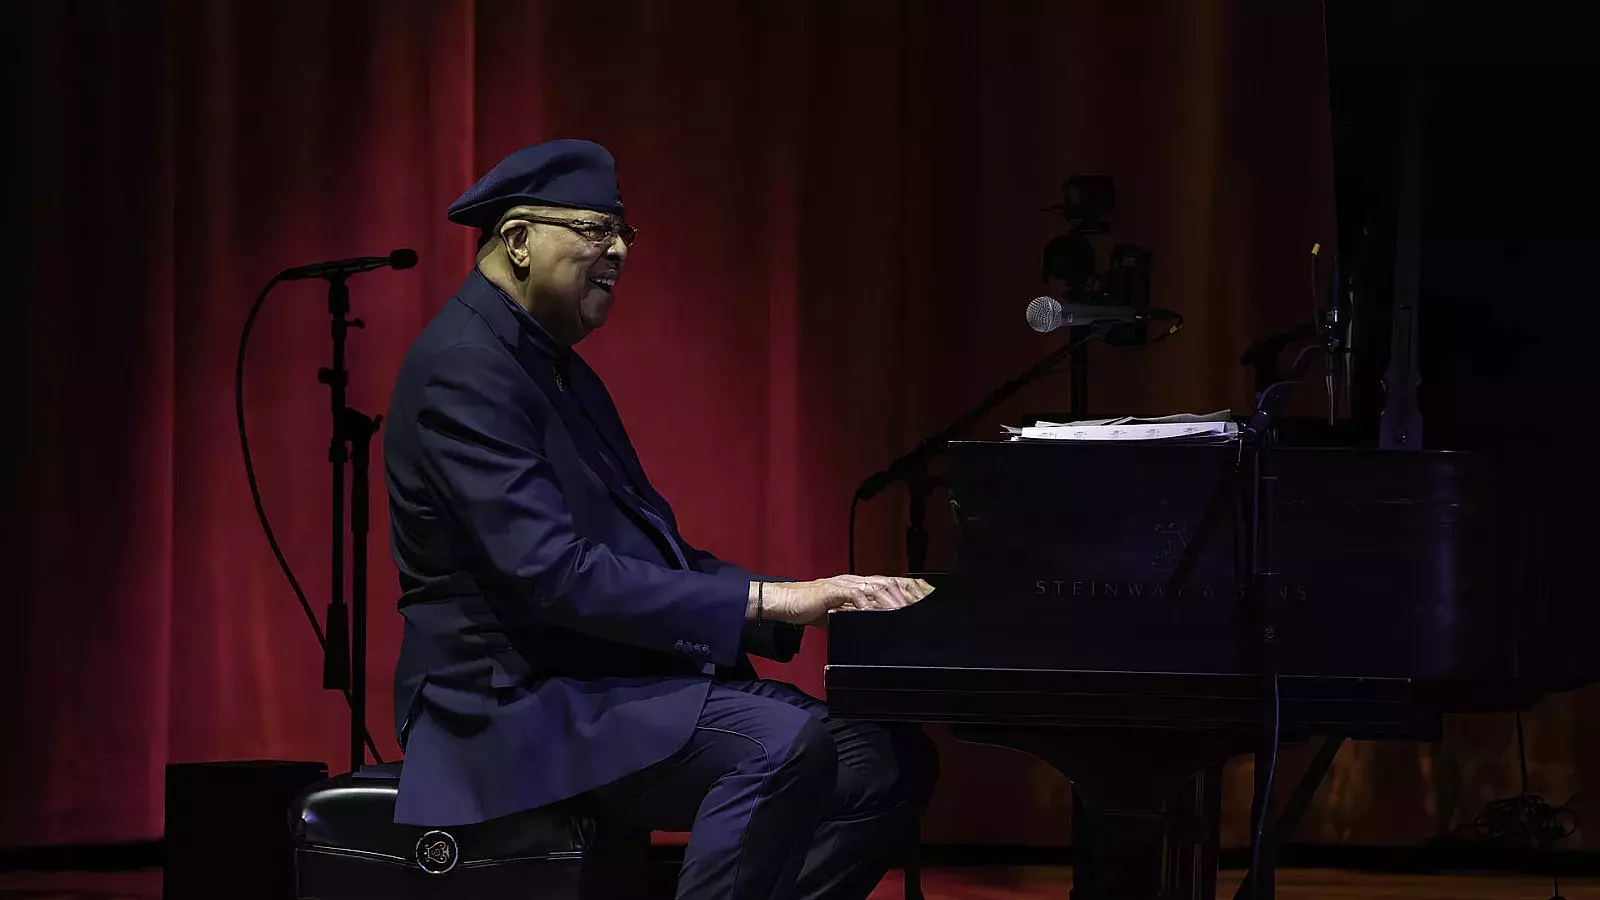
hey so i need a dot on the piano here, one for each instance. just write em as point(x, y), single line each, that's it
point(1091, 614)
point(1092, 617)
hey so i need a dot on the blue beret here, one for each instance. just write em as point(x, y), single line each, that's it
point(575, 174)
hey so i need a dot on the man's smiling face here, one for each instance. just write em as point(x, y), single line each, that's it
point(574, 258)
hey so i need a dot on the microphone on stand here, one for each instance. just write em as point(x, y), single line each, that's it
point(403, 258)
point(344, 643)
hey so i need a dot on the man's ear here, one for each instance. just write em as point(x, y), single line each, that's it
point(514, 234)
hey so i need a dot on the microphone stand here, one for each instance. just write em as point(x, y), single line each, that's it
point(344, 663)
point(912, 467)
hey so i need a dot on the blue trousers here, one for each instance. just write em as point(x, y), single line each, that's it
point(781, 801)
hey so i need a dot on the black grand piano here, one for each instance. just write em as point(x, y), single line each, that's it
point(1092, 617)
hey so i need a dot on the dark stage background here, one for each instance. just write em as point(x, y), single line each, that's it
point(839, 206)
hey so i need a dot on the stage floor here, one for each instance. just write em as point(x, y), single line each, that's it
point(962, 883)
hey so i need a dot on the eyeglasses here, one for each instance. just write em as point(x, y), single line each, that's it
point(601, 233)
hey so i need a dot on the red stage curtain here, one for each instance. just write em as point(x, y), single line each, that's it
point(839, 206)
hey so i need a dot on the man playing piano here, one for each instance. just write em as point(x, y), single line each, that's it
point(561, 637)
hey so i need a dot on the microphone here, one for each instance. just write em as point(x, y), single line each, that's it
point(399, 259)
point(1046, 314)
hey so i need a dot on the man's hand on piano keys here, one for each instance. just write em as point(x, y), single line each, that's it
point(810, 602)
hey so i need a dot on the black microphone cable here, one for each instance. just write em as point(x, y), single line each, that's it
point(1526, 821)
point(255, 493)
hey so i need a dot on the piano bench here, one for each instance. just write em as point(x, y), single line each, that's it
point(348, 846)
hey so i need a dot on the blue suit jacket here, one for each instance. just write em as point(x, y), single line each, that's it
point(559, 632)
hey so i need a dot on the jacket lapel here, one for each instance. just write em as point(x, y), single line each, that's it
point(609, 425)
point(572, 417)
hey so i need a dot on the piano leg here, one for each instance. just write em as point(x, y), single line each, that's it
point(1201, 858)
point(1146, 812)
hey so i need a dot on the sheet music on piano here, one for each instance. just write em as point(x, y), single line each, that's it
point(1217, 426)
